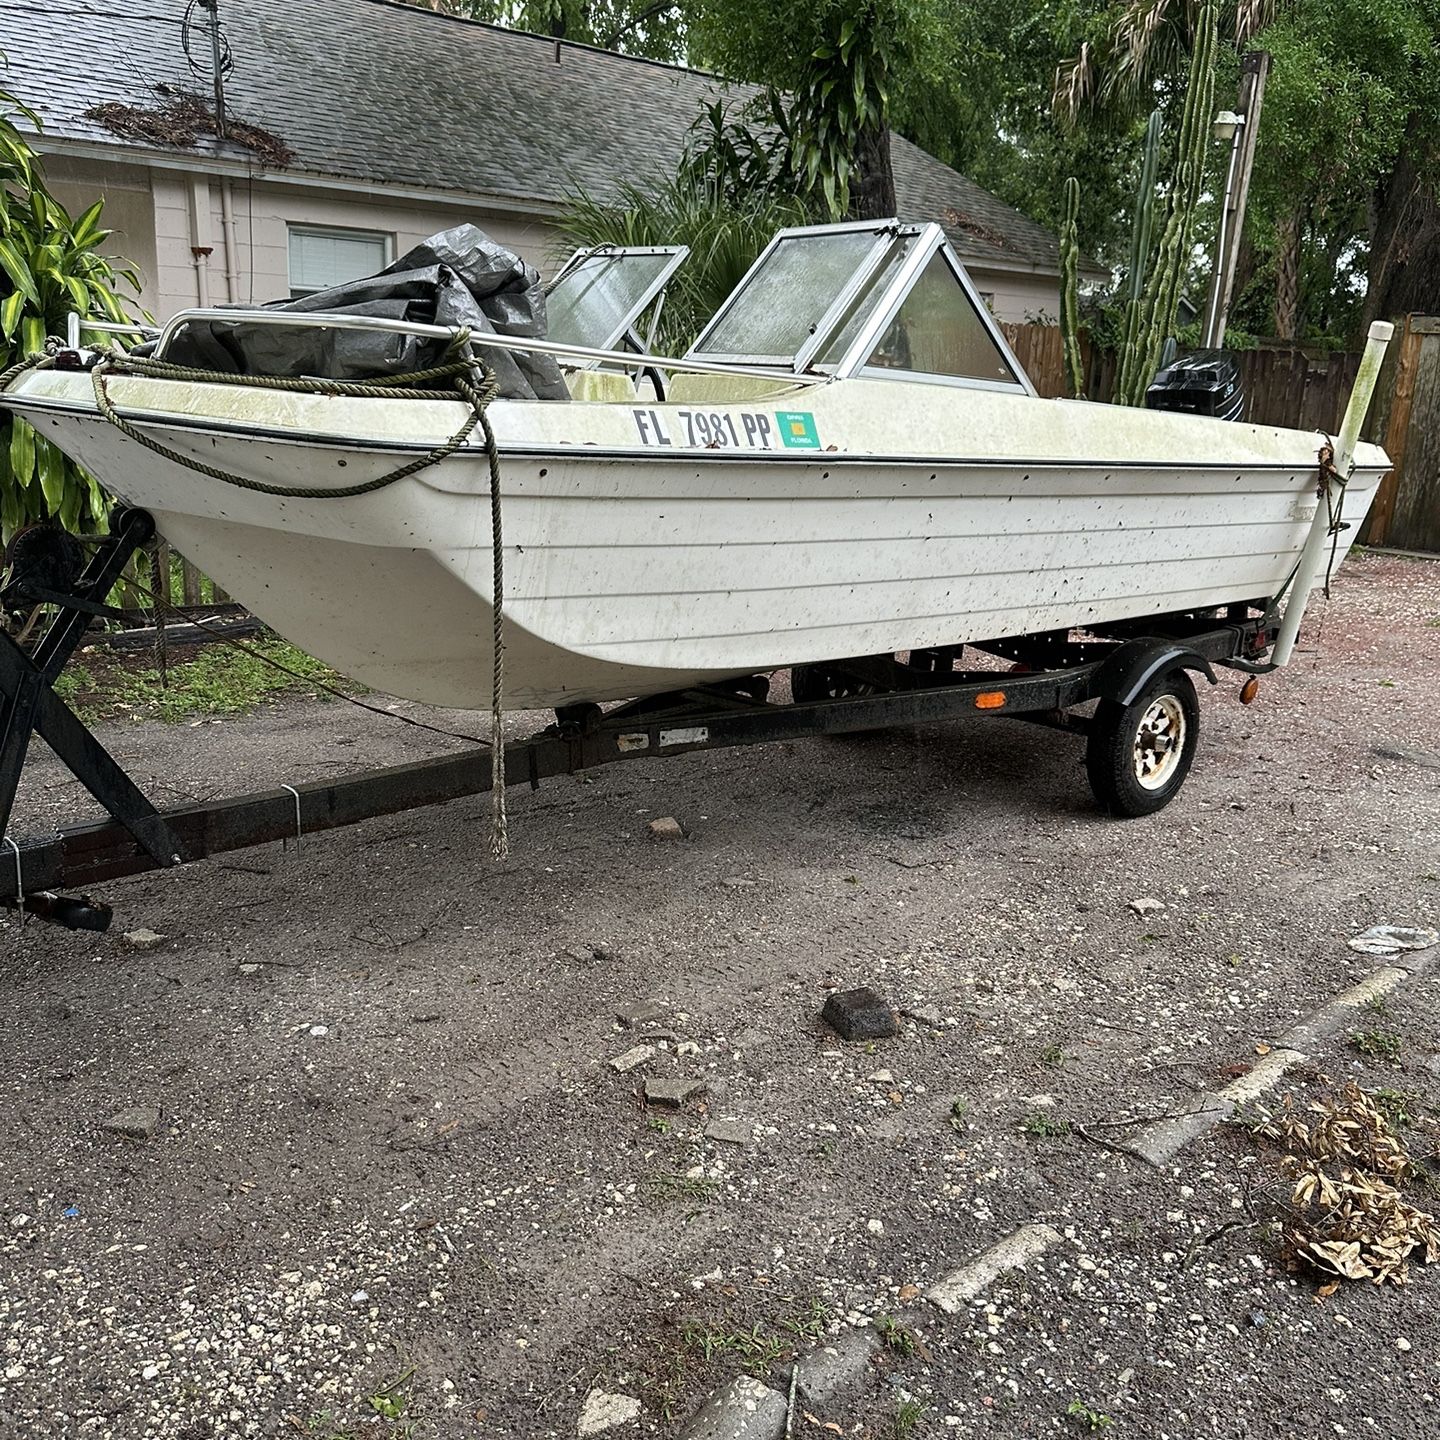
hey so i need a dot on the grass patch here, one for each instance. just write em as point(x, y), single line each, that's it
point(201, 681)
point(897, 1337)
point(1044, 1127)
point(1378, 1045)
point(908, 1415)
point(1054, 1056)
point(697, 1353)
point(1083, 1417)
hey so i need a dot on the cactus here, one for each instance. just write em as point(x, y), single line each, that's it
point(1070, 289)
point(1154, 297)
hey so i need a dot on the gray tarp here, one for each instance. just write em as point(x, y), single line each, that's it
point(458, 277)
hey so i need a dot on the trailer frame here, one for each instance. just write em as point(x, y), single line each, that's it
point(1051, 676)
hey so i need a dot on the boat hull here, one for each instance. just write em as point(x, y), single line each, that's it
point(639, 560)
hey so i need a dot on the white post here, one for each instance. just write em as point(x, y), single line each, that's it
point(1308, 570)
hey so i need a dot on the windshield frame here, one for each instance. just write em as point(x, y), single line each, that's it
point(884, 233)
point(626, 331)
point(928, 240)
point(932, 243)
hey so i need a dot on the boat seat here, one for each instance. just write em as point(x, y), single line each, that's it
point(605, 387)
point(706, 389)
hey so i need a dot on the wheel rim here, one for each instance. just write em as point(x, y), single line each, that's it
point(1160, 742)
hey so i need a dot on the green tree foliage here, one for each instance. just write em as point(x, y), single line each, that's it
point(824, 112)
point(1354, 85)
point(652, 28)
point(50, 265)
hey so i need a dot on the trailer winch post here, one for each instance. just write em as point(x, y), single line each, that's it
point(1332, 482)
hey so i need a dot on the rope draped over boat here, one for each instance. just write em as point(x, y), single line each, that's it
point(469, 379)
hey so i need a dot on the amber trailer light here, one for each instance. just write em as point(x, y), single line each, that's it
point(990, 700)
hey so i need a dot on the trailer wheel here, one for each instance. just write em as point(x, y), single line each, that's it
point(1138, 755)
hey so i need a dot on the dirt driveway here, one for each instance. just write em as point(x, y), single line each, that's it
point(399, 1185)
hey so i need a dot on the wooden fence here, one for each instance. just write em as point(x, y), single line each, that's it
point(1406, 420)
point(1282, 386)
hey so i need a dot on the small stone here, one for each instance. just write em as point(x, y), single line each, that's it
point(247, 967)
point(667, 828)
point(602, 1411)
point(730, 1132)
point(1146, 906)
point(881, 1077)
point(360, 1297)
point(673, 1092)
point(139, 1122)
point(19, 1222)
point(687, 1047)
point(860, 1014)
point(319, 1031)
point(143, 939)
point(875, 1227)
point(738, 882)
point(926, 1015)
point(640, 1012)
point(1401, 1343)
point(150, 1372)
point(623, 1064)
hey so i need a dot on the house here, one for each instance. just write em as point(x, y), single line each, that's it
point(356, 127)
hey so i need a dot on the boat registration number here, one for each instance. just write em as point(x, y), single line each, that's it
point(728, 430)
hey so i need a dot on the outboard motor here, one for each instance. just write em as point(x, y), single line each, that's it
point(1204, 382)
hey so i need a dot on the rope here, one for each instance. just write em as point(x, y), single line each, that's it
point(478, 397)
point(469, 379)
point(1334, 508)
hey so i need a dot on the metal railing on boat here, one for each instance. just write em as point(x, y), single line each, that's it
point(329, 320)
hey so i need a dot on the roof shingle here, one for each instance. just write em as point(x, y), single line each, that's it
point(394, 94)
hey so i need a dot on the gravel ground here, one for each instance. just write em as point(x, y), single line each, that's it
point(397, 1186)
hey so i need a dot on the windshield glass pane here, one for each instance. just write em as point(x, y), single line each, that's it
point(937, 332)
point(596, 301)
point(860, 309)
point(778, 310)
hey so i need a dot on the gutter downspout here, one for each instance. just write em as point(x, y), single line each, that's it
point(231, 244)
point(198, 192)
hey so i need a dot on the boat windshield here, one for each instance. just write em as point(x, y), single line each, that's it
point(599, 295)
point(864, 299)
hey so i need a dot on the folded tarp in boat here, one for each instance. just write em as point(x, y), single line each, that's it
point(456, 277)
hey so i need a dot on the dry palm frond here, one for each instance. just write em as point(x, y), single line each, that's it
point(1074, 84)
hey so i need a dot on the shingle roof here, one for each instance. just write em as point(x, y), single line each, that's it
point(394, 94)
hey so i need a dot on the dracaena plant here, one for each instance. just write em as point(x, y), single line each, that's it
point(50, 265)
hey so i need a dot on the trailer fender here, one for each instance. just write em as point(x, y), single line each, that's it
point(1127, 671)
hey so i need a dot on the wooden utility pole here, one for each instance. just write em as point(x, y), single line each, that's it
point(1254, 70)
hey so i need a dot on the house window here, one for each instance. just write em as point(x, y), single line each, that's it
point(322, 256)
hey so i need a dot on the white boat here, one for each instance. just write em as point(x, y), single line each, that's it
point(849, 462)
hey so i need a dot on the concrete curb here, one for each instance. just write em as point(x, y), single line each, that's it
point(957, 1290)
point(745, 1409)
point(1159, 1143)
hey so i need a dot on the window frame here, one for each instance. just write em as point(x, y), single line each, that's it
point(334, 232)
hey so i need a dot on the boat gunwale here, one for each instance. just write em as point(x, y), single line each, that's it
point(170, 420)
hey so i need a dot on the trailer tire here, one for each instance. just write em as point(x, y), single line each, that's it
point(1138, 755)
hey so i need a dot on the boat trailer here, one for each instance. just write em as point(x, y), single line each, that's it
point(1140, 738)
